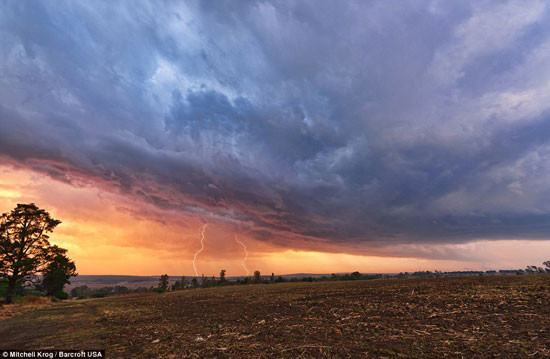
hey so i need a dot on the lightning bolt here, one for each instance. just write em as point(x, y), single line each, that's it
point(243, 263)
point(200, 250)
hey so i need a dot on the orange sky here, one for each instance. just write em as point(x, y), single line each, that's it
point(108, 233)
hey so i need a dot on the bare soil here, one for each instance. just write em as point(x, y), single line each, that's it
point(469, 317)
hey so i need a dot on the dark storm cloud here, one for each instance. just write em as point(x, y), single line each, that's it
point(358, 123)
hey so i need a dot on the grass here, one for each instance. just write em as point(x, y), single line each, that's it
point(474, 317)
point(22, 305)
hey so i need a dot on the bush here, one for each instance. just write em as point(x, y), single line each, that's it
point(81, 291)
point(120, 290)
point(158, 290)
point(61, 295)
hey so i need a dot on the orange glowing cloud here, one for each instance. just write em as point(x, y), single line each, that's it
point(110, 233)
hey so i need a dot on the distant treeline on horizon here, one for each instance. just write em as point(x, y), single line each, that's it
point(96, 286)
point(195, 282)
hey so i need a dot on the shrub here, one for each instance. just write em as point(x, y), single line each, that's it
point(61, 295)
point(81, 291)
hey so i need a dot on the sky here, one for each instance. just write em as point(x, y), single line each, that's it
point(379, 136)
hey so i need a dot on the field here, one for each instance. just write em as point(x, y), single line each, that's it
point(470, 317)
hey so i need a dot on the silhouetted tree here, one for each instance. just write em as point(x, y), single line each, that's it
point(257, 276)
point(24, 247)
point(180, 284)
point(57, 272)
point(195, 282)
point(222, 276)
point(163, 283)
point(355, 275)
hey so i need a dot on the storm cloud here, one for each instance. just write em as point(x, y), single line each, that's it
point(357, 123)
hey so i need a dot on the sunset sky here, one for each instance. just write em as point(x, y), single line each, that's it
point(325, 136)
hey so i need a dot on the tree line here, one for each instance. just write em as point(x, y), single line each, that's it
point(206, 282)
point(531, 269)
point(184, 283)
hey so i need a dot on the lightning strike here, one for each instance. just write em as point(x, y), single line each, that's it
point(243, 263)
point(200, 250)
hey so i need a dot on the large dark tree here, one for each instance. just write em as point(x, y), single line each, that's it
point(24, 247)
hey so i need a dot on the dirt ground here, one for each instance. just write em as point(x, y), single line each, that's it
point(473, 317)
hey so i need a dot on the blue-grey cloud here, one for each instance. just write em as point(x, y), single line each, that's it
point(370, 123)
